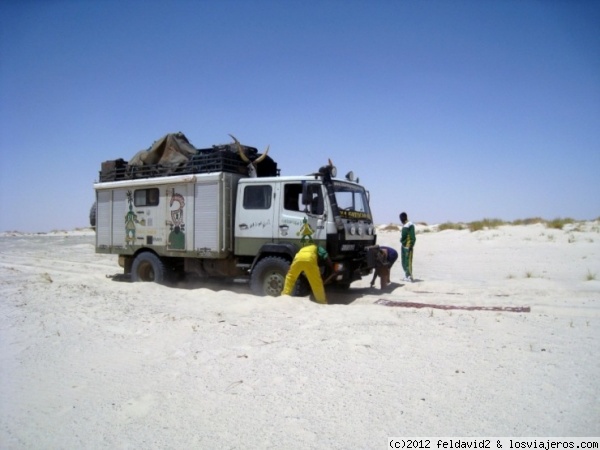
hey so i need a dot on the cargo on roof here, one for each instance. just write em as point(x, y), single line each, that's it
point(173, 154)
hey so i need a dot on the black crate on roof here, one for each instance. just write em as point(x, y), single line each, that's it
point(226, 158)
point(217, 160)
point(113, 170)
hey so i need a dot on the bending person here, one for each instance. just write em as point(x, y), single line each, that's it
point(307, 261)
point(387, 258)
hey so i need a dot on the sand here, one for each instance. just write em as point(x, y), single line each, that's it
point(90, 362)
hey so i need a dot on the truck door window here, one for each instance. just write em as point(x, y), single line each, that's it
point(257, 197)
point(292, 196)
point(145, 197)
point(313, 199)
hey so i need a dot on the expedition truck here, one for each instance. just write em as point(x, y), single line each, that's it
point(213, 217)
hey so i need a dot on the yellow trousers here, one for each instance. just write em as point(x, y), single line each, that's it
point(306, 261)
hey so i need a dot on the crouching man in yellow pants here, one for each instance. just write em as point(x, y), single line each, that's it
point(307, 261)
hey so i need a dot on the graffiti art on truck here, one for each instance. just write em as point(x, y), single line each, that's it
point(130, 221)
point(306, 232)
point(177, 234)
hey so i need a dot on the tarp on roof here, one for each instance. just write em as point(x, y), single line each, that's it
point(171, 151)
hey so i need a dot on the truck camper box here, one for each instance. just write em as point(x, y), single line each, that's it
point(184, 213)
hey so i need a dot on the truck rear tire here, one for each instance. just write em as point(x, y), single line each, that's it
point(93, 216)
point(148, 267)
point(268, 276)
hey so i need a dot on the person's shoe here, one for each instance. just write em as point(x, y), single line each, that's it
point(409, 279)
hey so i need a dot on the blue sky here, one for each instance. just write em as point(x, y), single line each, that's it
point(449, 110)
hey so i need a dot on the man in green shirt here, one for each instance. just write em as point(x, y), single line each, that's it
point(407, 239)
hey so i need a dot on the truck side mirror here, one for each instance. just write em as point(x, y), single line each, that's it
point(306, 194)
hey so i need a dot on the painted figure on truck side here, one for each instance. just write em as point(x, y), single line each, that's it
point(130, 221)
point(177, 235)
point(306, 232)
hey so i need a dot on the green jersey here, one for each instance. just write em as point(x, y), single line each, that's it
point(408, 237)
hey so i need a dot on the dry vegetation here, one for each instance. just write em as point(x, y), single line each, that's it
point(390, 227)
point(571, 225)
point(556, 224)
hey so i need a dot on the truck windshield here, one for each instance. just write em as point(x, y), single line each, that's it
point(352, 201)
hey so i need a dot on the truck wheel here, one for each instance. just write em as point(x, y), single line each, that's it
point(268, 276)
point(148, 267)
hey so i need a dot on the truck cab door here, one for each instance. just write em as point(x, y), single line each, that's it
point(255, 222)
point(303, 213)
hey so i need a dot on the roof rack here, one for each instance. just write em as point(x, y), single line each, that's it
point(220, 158)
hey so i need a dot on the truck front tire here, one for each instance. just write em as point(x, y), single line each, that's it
point(148, 267)
point(302, 288)
point(268, 276)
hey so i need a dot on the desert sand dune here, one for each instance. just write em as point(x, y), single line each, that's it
point(90, 362)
